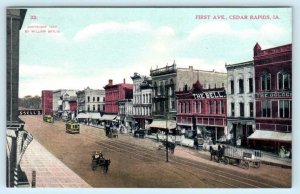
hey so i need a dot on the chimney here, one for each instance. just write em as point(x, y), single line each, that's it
point(110, 82)
point(124, 81)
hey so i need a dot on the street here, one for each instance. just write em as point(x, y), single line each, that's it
point(137, 163)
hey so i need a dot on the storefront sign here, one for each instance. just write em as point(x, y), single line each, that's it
point(212, 94)
point(273, 94)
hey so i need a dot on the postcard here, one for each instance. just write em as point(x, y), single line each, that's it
point(149, 97)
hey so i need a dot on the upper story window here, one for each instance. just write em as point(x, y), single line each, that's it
point(161, 88)
point(241, 86)
point(231, 86)
point(284, 108)
point(250, 85)
point(232, 109)
point(98, 99)
point(88, 99)
point(265, 80)
point(283, 81)
point(242, 112)
point(93, 99)
point(251, 109)
point(266, 108)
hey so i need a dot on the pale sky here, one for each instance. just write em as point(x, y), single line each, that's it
point(92, 45)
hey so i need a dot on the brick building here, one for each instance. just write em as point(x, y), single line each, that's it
point(273, 96)
point(114, 93)
point(202, 112)
point(47, 102)
point(167, 80)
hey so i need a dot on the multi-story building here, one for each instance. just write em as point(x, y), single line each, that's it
point(114, 93)
point(47, 102)
point(65, 103)
point(17, 138)
point(167, 80)
point(240, 102)
point(142, 100)
point(125, 113)
point(202, 111)
point(90, 100)
point(273, 96)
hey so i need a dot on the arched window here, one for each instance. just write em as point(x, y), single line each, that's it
point(265, 79)
point(283, 81)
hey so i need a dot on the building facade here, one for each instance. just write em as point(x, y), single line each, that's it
point(47, 102)
point(17, 138)
point(142, 100)
point(125, 113)
point(167, 80)
point(273, 96)
point(90, 100)
point(240, 102)
point(65, 103)
point(202, 112)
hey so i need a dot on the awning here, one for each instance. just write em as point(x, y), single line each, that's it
point(91, 115)
point(271, 136)
point(82, 116)
point(106, 117)
point(94, 115)
point(162, 124)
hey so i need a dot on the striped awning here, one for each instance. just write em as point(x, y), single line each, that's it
point(271, 136)
point(163, 124)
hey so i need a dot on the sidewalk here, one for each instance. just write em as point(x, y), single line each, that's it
point(50, 171)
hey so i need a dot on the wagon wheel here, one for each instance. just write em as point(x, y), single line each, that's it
point(244, 164)
point(256, 164)
point(226, 160)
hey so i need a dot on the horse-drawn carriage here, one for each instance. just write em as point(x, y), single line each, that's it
point(99, 161)
point(111, 132)
point(236, 156)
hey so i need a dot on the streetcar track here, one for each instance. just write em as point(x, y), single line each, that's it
point(177, 160)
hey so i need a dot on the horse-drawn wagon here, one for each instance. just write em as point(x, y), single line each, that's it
point(111, 132)
point(237, 156)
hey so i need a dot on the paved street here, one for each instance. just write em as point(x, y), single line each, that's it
point(138, 162)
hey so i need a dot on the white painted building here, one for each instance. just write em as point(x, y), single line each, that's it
point(240, 101)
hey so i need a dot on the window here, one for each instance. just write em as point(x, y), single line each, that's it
point(284, 109)
point(266, 108)
point(232, 86)
point(98, 107)
point(195, 107)
point(242, 113)
point(232, 109)
point(222, 107)
point(161, 88)
point(210, 107)
point(216, 107)
point(94, 108)
point(98, 99)
point(155, 89)
point(251, 109)
point(250, 85)
point(265, 81)
point(93, 99)
point(88, 99)
point(88, 108)
point(241, 86)
point(200, 107)
point(283, 80)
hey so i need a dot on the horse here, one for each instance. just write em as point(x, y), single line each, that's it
point(216, 152)
point(171, 146)
point(105, 164)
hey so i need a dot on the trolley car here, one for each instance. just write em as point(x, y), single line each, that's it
point(72, 127)
point(48, 118)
